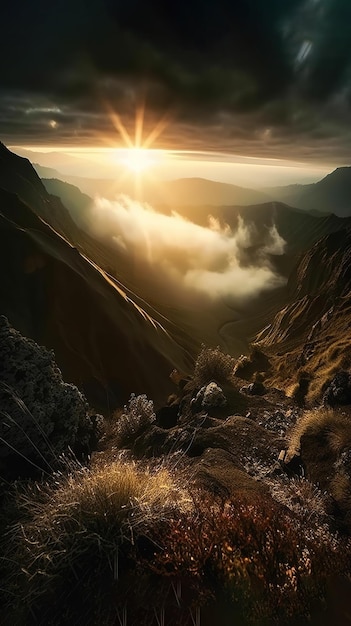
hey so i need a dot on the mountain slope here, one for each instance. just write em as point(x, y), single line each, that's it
point(77, 202)
point(103, 340)
point(311, 333)
point(332, 194)
point(200, 191)
point(19, 177)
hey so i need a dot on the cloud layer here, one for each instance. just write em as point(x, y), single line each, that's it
point(175, 254)
point(266, 78)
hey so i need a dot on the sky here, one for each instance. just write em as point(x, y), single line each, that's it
point(219, 80)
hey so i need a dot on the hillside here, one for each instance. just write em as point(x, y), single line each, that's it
point(77, 202)
point(310, 335)
point(332, 194)
point(104, 341)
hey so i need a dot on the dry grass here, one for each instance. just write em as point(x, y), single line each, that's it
point(323, 437)
point(98, 540)
point(304, 499)
point(72, 533)
point(213, 365)
point(335, 424)
point(330, 355)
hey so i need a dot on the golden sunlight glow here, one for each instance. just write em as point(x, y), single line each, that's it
point(137, 159)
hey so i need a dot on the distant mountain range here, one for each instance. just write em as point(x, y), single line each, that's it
point(172, 193)
point(332, 194)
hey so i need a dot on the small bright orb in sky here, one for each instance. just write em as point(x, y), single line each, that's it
point(137, 159)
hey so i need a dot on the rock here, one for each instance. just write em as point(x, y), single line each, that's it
point(219, 471)
point(151, 443)
point(244, 389)
point(209, 396)
point(41, 415)
point(239, 436)
point(339, 390)
point(213, 396)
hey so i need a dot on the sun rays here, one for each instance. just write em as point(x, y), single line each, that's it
point(133, 146)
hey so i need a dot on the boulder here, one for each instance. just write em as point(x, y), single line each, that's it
point(209, 396)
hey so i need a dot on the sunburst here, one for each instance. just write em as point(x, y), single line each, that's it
point(137, 155)
point(137, 148)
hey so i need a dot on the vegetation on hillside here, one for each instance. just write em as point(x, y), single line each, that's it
point(98, 541)
point(211, 529)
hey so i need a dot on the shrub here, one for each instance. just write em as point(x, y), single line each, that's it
point(102, 539)
point(77, 536)
point(137, 417)
point(213, 365)
point(323, 438)
point(333, 426)
point(270, 567)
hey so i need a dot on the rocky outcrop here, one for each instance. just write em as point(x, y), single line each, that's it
point(209, 396)
point(41, 416)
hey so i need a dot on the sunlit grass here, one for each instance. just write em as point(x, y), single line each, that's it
point(98, 541)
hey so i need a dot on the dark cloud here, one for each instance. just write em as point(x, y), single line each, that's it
point(238, 75)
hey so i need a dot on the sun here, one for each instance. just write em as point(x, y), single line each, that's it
point(137, 159)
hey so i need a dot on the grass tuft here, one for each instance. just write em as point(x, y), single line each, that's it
point(213, 365)
point(72, 533)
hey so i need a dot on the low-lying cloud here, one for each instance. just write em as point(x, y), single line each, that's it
point(168, 250)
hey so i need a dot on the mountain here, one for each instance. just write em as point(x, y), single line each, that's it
point(109, 277)
point(77, 202)
point(104, 340)
point(332, 194)
point(18, 176)
point(168, 193)
point(46, 172)
point(310, 335)
point(200, 191)
point(300, 229)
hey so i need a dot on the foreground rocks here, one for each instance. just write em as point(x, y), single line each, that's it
point(41, 415)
